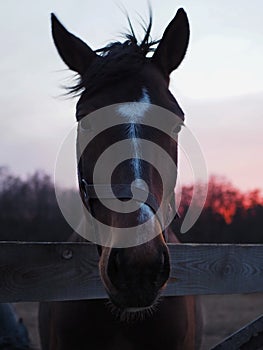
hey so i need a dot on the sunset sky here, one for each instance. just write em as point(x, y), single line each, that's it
point(219, 85)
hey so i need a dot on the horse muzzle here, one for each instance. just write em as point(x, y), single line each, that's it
point(134, 277)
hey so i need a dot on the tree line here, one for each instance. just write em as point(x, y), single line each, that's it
point(229, 215)
point(29, 211)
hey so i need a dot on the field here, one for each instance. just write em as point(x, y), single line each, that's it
point(224, 314)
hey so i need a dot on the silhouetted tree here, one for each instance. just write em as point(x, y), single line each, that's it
point(29, 211)
point(229, 215)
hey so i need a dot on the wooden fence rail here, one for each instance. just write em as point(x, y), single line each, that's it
point(246, 338)
point(48, 271)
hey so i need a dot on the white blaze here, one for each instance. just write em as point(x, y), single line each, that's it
point(134, 113)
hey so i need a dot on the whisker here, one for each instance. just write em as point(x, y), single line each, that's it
point(128, 316)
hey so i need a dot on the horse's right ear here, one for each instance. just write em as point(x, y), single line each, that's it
point(173, 45)
point(74, 52)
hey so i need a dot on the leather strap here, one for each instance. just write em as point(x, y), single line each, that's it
point(121, 191)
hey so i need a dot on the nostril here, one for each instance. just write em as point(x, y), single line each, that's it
point(164, 271)
point(166, 259)
point(116, 261)
point(163, 259)
point(114, 267)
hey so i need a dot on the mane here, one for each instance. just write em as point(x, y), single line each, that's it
point(116, 61)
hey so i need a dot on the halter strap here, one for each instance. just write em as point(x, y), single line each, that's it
point(122, 191)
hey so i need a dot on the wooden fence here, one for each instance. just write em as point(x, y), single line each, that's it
point(31, 271)
point(68, 271)
point(249, 337)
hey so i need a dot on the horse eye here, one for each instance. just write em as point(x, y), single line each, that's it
point(177, 128)
point(85, 124)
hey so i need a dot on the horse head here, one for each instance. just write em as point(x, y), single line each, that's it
point(124, 76)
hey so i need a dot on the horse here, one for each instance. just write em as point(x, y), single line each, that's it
point(135, 315)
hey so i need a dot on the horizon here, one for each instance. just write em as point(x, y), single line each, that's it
point(223, 198)
point(212, 178)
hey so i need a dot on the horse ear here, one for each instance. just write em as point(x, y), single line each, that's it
point(173, 45)
point(74, 52)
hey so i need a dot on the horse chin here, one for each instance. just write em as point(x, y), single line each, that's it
point(133, 314)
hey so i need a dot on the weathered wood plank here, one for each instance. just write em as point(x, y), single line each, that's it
point(48, 271)
point(248, 337)
point(67, 271)
point(216, 269)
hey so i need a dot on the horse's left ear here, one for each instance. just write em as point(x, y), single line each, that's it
point(74, 52)
point(173, 45)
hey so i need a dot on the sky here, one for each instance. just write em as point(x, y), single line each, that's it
point(218, 85)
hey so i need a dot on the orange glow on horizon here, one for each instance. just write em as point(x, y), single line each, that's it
point(224, 199)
